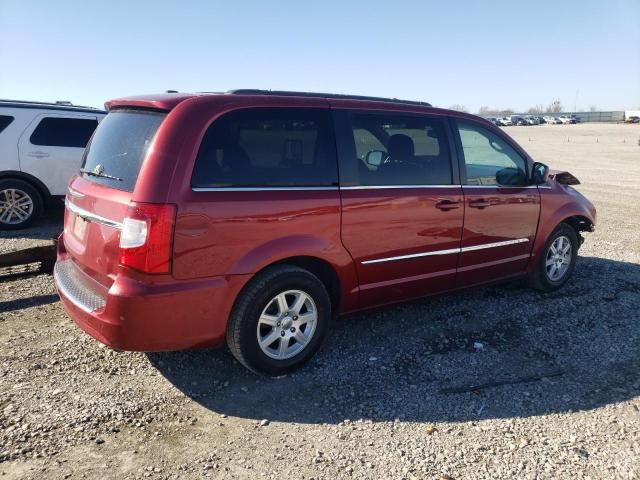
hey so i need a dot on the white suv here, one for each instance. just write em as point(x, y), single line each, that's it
point(41, 147)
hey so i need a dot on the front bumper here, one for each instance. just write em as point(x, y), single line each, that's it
point(143, 316)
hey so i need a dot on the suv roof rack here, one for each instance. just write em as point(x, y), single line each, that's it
point(285, 93)
point(58, 105)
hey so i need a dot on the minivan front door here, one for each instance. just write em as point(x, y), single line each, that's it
point(501, 209)
point(402, 211)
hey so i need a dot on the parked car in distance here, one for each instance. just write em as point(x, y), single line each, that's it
point(41, 146)
point(632, 119)
point(574, 118)
point(565, 119)
point(519, 121)
point(504, 122)
point(531, 120)
point(541, 120)
point(551, 120)
point(255, 217)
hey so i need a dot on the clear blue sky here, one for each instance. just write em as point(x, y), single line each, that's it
point(495, 53)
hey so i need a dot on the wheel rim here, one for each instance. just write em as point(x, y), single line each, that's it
point(287, 324)
point(16, 206)
point(558, 258)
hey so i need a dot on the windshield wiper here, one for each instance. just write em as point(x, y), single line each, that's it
point(99, 174)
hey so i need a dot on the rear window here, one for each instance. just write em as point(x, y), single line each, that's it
point(268, 147)
point(5, 120)
point(63, 132)
point(119, 146)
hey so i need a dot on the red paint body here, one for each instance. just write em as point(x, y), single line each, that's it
point(223, 238)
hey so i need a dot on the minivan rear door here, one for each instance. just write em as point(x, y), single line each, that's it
point(98, 198)
point(51, 147)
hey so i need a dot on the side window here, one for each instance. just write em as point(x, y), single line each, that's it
point(268, 147)
point(5, 120)
point(395, 149)
point(366, 142)
point(63, 132)
point(489, 160)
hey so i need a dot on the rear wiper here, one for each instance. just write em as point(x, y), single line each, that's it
point(91, 173)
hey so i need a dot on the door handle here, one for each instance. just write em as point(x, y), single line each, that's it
point(447, 205)
point(38, 154)
point(480, 204)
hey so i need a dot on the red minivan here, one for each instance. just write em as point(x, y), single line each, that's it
point(258, 216)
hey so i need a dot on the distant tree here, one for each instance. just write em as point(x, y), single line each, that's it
point(593, 108)
point(459, 108)
point(555, 106)
point(537, 109)
point(490, 111)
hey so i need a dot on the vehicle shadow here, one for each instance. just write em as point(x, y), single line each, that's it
point(20, 303)
point(494, 352)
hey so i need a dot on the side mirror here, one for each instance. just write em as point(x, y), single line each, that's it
point(540, 174)
point(375, 157)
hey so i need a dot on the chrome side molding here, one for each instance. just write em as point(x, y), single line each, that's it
point(415, 255)
point(448, 251)
point(260, 189)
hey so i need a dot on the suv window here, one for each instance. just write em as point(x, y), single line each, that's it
point(5, 120)
point(489, 160)
point(396, 149)
point(63, 132)
point(268, 147)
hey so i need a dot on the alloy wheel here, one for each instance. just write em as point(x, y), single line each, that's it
point(16, 206)
point(287, 324)
point(559, 258)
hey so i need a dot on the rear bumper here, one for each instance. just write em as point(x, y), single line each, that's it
point(140, 316)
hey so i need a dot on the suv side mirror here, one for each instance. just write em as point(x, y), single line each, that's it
point(375, 157)
point(540, 174)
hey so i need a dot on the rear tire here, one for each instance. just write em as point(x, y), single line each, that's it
point(21, 204)
point(557, 261)
point(279, 320)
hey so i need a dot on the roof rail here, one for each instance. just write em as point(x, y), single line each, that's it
point(284, 93)
point(57, 103)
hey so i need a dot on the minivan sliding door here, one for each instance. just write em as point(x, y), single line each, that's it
point(402, 209)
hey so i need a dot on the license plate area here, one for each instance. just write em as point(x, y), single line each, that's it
point(79, 227)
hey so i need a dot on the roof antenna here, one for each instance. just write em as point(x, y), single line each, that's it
point(172, 91)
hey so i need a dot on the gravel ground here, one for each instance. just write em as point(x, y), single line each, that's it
point(496, 382)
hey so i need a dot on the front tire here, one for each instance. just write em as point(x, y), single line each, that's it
point(279, 320)
point(557, 261)
point(20, 204)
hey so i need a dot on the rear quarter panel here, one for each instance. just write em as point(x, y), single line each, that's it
point(224, 233)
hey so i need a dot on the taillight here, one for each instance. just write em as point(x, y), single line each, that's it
point(146, 237)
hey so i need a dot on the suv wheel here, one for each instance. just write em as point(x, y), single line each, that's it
point(20, 204)
point(279, 320)
point(557, 260)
